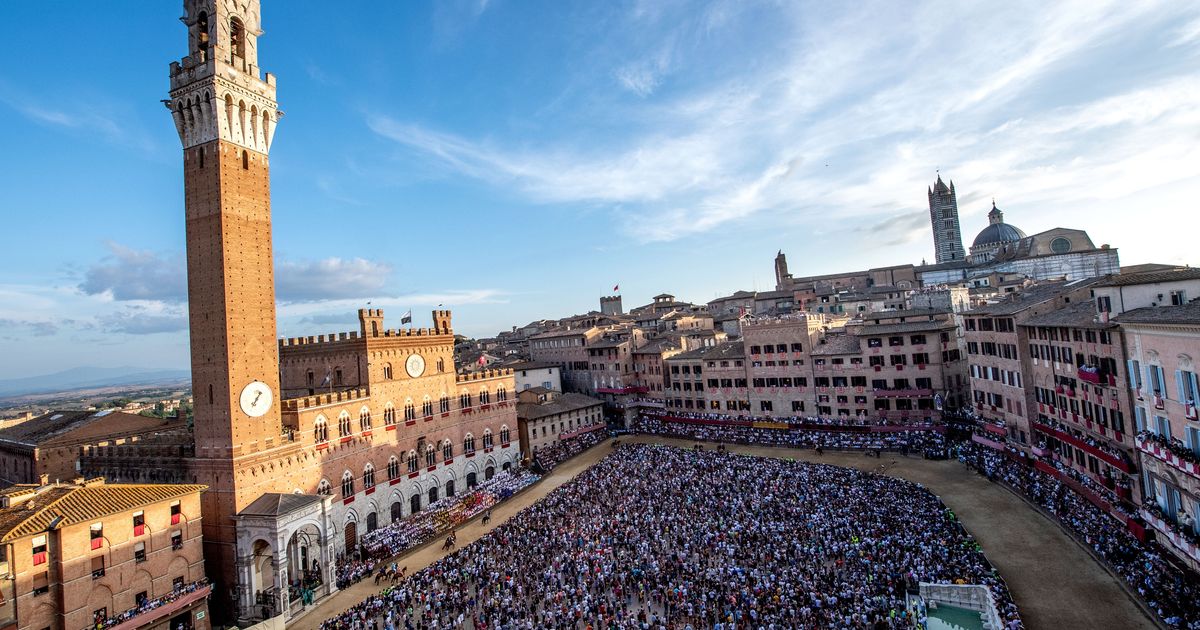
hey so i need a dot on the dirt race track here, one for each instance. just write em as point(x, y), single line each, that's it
point(1055, 582)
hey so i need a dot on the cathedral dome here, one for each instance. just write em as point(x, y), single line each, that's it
point(997, 232)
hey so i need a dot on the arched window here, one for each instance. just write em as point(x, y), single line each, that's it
point(389, 414)
point(308, 378)
point(430, 455)
point(501, 394)
point(441, 365)
point(464, 401)
point(202, 35)
point(393, 468)
point(347, 484)
point(320, 430)
point(410, 412)
point(368, 476)
point(485, 397)
point(504, 434)
point(364, 419)
point(237, 38)
point(387, 371)
point(412, 461)
point(427, 407)
point(344, 429)
point(487, 438)
point(245, 160)
point(447, 449)
point(444, 404)
point(469, 444)
point(325, 487)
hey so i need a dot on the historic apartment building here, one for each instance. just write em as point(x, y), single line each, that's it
point(997, 351)
point(51, 444)
point(82, 553)
point(1079, 385)
point(547, 417)
point(1162, 346)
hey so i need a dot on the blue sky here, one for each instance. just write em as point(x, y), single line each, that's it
point(515, 160)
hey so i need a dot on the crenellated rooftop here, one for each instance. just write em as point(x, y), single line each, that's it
point(483, 375)
point(321, 400)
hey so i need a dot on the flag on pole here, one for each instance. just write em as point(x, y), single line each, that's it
point(328, 376)
point(482, 359)
point(407, 317)
point(616, 287)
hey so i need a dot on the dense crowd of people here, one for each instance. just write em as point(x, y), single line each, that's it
point(803, 421)
point(929, 443)
point(441, 516)
point(1171, 594)
point(708, 540)
point(548, 457)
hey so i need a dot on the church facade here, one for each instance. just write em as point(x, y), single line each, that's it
point(304, 443)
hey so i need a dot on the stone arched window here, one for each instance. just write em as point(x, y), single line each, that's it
point(501, 394)
point(237, 38)
point(504, 434)
point(410, 412)
point(444, 404)
point(430, 455)
point(387, 371)
point(464, 400)
point(412, 461)
point(487, 438)
point(364, 419)
point(427, 407)
point(309, 378)
point(320, 430)
point(441, 365)
point(325, 487)
point(447, 449)
point(469, 444)
point(485, 397)
point(368, 476)
point(393, 468)
point(347, 484)
point(389, 414)
point(344, 428)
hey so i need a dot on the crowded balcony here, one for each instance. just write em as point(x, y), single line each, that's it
point(1179, 537)
point(1096, 376)
point(1107, 454)
point(151, 611)
point(1170, 450)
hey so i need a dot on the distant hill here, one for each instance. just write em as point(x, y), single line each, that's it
point(85, 377)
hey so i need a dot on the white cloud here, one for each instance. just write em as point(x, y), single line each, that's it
point(853, 126)
point(329, 279)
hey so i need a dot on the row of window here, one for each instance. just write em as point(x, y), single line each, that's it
point(346, 426)
point(993, 349)
point(898, 340)
point(987, 324)
point(777, 348)
point(1080, 335)
point(413, 461)
point(1006, 377)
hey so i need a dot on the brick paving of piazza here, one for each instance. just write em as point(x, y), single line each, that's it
point(1054, 581)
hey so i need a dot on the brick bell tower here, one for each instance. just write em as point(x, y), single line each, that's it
point(226, 115)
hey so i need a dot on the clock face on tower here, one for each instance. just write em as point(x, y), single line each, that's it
point(415, 365)
point(256, 399)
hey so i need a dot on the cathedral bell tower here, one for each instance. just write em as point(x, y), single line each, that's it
point(226, 114)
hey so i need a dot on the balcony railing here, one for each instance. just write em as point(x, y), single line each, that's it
point(1163, 452)
point(1115, 461)
point(156, 609)
point(1169, 537)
